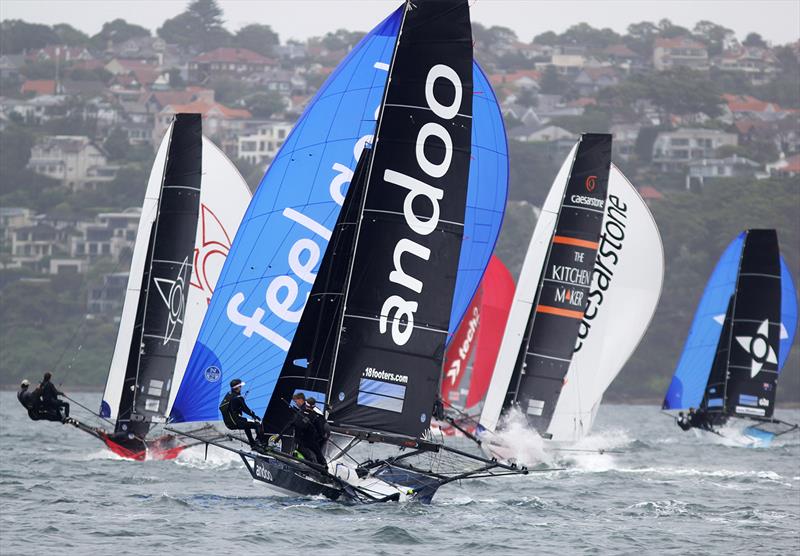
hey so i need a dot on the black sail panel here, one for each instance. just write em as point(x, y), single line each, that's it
point(714, 398)
point(400, 291)
point(170, 268)
point(756, 325)
point(564, 285)
point(308, 364)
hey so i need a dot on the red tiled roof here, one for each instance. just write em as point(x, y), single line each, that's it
point(500, 78)
point(620, 50)
point(204, 107)
point(792, 164)
point(234, 56)
point(650, 192)
point(678, 42)
point(39, 87)
point(582, 101)
point(133, 65)
point(746, 103)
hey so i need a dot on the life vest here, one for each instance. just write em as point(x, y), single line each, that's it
point(225, 409)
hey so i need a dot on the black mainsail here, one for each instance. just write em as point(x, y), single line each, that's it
point(744, 377)
point(165, 283)
point(399, 290)
point(562, 295)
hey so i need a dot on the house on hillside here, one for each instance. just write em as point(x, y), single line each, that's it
point(591, 80)
point(785, 166)
point(539, 133)
point(31, 245)
point(674, 150)
point(263, 145)
point(227, 62)
point(622, 57)
point(109, 235)
point(711, 168)
point(625, 136)
point(38, 87)
point(74, 160)
point(108, 297)
point(219, 122)
point(746, 106)
point(759, 64)
point(680, 51)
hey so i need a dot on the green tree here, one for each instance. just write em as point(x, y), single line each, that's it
point(258, 38)
point(551, 83)
point(711, 34)
point(264, 105)
point(201, 25)
point(754, 39)
point(116, 144)
point(548, 38)
point(17, 35)
point(117, 31)
point(67, 34)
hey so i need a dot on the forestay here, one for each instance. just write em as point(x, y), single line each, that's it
point(267, 279)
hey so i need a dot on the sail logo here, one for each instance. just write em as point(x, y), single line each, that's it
point(570, 274)
point(262, 472)
point(569, 296)
point(214, 244)
point(463, 351)
point(282, 295)
point(759, 348)
point(587, 201)
point(591, 183)
point(609, 250)
point(172, 292)
point(212, 374)
point(396, 308)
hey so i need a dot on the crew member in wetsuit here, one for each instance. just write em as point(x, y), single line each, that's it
point(29, 399)
point(683, 422)
point(699, 419)
point(306, 437)
point(50, 401)
point(321, 427)
point(232, 408)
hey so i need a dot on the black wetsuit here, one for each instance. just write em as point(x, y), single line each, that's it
point(684, 423)
point(700, 420)
point(50, 400)
point(236, 408)
point(308, 434)
point(36, 411)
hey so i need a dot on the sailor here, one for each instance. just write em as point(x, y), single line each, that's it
point(699, 419)
point(321, 427)
point(683, 422)
point(29, 399)
point(50, 401)
point(232, 408)
point(307, 441)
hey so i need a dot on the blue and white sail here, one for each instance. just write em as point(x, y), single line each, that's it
point(688, 385)
point(272, 264)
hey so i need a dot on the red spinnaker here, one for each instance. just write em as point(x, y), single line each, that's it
point(498, 292)
point(460, 348)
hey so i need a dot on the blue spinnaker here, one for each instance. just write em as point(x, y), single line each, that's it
point(788, 314)
point(272, 263)
point(691, 376)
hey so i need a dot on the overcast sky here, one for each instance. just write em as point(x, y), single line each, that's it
point(776, 20)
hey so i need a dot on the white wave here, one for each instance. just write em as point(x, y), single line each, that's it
point(195, 457)
point(101, 454)
point(517, 442)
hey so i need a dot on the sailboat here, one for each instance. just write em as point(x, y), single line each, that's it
point(267, 279)
point(193, 204)
point(739, 342)
point(588, 288)
point(473, 351)
point(369, 342)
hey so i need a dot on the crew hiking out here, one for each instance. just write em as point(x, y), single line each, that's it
point(311, 429)
point(233, 407)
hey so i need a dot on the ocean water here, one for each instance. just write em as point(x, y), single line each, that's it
point(668, 492)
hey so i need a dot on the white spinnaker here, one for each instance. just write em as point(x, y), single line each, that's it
point(122, 348)
point(224, 197)
point(524, 297)
point(619, 322)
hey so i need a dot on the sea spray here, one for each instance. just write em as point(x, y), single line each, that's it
point(517, 442)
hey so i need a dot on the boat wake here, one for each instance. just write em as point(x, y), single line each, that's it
point(196, 458)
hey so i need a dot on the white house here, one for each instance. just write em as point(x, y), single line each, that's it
point(264, 144)
point(74, 160)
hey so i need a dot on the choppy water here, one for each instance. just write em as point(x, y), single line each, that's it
point(669, 492)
